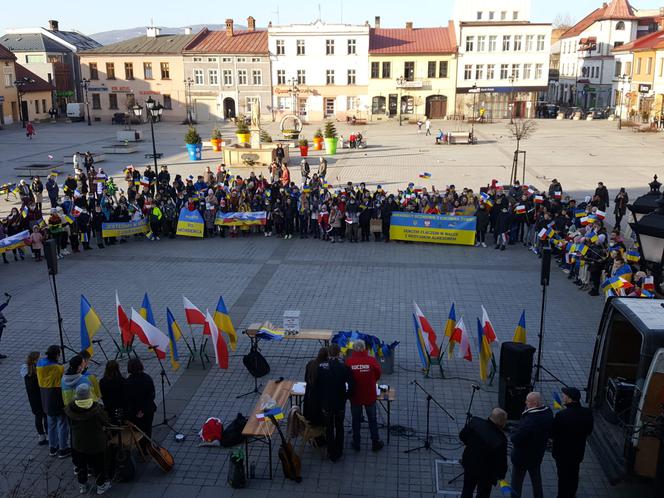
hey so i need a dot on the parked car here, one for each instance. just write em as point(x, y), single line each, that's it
point(551, 111)
point(598, 113)
point(573, 111)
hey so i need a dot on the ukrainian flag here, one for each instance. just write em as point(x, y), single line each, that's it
point(174, 334)
point(633, 256)
point(557, 402)
point(271, 334)
point(146, 311)
point(624, 272)
point(485, 351)
point(90, 324)
point(223, 322)
point(449, 330)
point(520, 332)
point(505, 488)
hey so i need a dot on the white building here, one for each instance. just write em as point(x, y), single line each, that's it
point(320, 70)
point(589, 76)
point(503, 62)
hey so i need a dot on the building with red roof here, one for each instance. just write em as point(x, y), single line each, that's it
point(412, 72)
point(229, 72)
point(590, 75)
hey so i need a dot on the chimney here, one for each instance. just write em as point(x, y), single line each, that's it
point(377, 22)
point(269, 25)
point(409, 25)
point(153, 32)
point(53, 25)
point(229, 27)
point(251, 24)
point(187, 31)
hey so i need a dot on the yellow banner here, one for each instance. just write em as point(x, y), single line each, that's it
point(438, 229)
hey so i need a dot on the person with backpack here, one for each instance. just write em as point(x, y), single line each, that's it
point(88, 419)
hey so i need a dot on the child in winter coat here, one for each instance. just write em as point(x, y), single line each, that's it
point(37, 243)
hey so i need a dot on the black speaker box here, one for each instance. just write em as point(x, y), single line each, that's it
point(51, 255)
point(546, 266)
point(516, 365)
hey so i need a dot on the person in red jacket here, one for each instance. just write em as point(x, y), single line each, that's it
point(366, 372)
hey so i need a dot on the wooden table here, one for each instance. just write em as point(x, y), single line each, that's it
point(321, 335)
point(261, 431)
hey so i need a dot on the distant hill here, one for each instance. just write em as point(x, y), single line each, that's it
point(118, 35)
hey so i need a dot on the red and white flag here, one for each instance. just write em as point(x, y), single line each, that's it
point(600, 214)
point(124, 325)
point(428, 333)
point(487, 326)
point(220, 347)
point(193, 315)
point(149, 334)
point(76, 211)
point(461, 333)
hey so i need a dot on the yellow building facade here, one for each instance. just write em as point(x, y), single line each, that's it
point(412, 73)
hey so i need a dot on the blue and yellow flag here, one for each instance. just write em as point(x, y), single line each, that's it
point(270, 333)
point(421, 346)
point(505, 488)
point(146, 311)
point(520, 332)
point(174, 334)
point(624, 272)
point(557, 402)
point(223, 322)
point(90, 324)
point(485, 351)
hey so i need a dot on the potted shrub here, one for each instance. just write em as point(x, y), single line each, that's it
point(265, 137)
point(216, 139)
point(194, 144)
point(318, 140)
point(330, 137)
point(304, 147)
point(242, 130)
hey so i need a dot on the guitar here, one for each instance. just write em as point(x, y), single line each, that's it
point(160, 455)
point(290, 462)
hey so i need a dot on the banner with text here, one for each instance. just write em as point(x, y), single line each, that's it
point(14, 241)
point(190, 223)
point(241, 219)
point(124, 228)
point(436, 228)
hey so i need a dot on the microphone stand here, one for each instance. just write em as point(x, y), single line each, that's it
point(164, 379)
point(426, 444)
point(98, 342)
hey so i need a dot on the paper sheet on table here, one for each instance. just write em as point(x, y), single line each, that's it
point(299, 387)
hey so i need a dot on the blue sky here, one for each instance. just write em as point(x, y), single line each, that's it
point(91, 17)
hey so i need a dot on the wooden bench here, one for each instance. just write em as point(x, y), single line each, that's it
point(459, 137)
point(119, 149)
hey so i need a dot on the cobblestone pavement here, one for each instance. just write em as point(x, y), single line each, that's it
point(368, 287)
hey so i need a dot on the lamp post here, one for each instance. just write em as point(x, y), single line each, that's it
point(400, 81)
point(648, 225)
point(154, 110)
point(473, 90)
point(188, 82)
point(20, 91)
point(512, 78)
point(85, 83)
point(622, 79)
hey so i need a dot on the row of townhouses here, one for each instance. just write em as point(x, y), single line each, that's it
point(490, 56)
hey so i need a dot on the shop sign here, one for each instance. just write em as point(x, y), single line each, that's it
point(644, 87)
point(65, 93)
point(121, 89)
point(97, 89)
point(149, 92)
point(410, 84)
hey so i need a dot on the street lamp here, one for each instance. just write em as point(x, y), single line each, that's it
point(294, 90)
point(188, 82)
point(512, 78)
point(622, 79)
point(400, 81)
point(20, 91)
point(647, 203)
point(85, 83)
point(473, 90)
point(154, 110)
point(648, 225)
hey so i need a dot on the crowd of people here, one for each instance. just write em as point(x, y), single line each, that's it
point(350, 212)
point(73, 410)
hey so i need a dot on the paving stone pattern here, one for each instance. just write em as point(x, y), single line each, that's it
point(368, 287)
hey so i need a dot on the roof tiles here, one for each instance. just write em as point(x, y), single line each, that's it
point(395, 41)
point(39, 85)
point(162, 44)
point(242, 42)
point(616, 10)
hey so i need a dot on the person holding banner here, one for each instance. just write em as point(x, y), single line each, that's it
point(16, 224)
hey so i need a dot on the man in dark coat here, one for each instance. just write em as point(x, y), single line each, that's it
point(484, 459)
point(333, 377)
point(529, 442)
point(140, 396)
point(603, 194)
point(571, 428)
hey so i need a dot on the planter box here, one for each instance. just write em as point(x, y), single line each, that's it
point(195, 151)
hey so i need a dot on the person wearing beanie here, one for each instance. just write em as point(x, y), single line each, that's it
point(87, 419)
point(75, 376)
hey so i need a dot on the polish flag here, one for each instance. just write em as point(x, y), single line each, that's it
point(76, 211)
point(464, 350)
point(489, 331)
point(220, 348)
point(123, 322)
point(149, 335)
point(428, 333)
point(600, 214)
point(193, 315)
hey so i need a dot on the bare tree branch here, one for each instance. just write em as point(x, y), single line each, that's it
point(522, 129)
point(563, 21)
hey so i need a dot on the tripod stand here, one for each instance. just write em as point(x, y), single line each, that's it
point(546, 272)
point(164, 379)
point(252, 349)
point(426, 444)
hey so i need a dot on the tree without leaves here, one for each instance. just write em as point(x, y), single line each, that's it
point(521, 129)
point(563, 21)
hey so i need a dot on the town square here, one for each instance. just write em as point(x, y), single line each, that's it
point(334, 257)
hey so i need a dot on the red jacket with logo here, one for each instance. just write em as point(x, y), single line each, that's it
point(366, 372)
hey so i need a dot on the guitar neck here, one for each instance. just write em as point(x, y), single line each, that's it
point(276, 424)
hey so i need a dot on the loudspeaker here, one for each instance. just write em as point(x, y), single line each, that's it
point(516, 365)
point(546, 266)
point(51, 255)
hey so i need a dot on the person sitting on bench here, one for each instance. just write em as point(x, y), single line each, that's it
point(440, 137)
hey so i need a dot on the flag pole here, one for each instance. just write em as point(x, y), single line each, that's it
point(111, 336)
